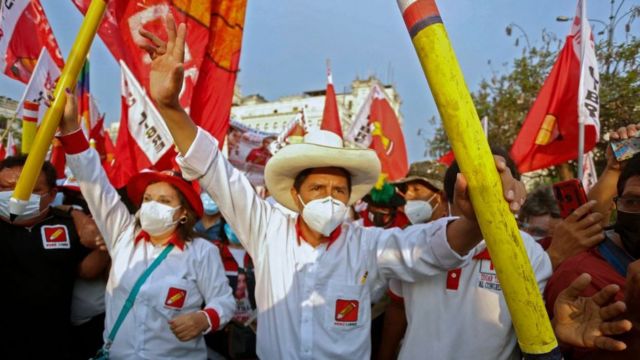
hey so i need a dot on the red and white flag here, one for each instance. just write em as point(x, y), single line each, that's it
point(143, 142)
point(43, 80)
point(549, 134)
point(24, 31)
point(331, 115)
point(589, 173)
point(212, 49)
point(12, 148)
point(376, 126)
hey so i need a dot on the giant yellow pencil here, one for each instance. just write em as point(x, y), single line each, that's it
point(29, 124)
point(463, 128)
point(51, 119)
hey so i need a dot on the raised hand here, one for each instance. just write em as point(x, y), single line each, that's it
point(514, 190)
point(588, 322)
point(167, 65)
point(622, 133)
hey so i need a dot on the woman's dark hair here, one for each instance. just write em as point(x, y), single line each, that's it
point(630, 170)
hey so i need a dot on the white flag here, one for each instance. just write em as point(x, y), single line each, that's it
point(143, 120)
point(589, 174)
point(359, 134)
point(43, 80)
point(584, 46)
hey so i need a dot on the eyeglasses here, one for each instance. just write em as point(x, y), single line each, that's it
point(630, 204)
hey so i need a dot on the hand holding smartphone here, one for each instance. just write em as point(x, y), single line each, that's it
point(570, 195)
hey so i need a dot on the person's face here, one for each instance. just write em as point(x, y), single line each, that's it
point(418, 190)
point(241, 286)
point(9, 179)
point(541, 226)
point(632, 188)
point(165, 194)
point(385, 214)
point(323, 182)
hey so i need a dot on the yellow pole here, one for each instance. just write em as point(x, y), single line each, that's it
point(29, 125)
point(464, 130)
point(68, 78)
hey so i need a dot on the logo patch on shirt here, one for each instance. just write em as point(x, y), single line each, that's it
point(488, 277)
point(55, 237)
point(175, 298)
point(347, 312)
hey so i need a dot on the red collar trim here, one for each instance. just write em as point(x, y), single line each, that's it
point(332, 237)
point(174, 239)
point(484, 255)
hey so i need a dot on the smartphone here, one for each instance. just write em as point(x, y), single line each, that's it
point(625, 149)
point(570, 195)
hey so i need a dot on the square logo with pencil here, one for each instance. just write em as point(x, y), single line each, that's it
point(347, 312)
point(175, 298)
point(55, 237)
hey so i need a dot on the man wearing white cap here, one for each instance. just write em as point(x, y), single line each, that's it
point(313, 272)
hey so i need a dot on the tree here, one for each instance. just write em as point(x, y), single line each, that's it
point(508, 95)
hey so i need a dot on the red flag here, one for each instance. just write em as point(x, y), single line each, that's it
point(57, 158)
point(447, 159)
point(214, 37)
point(387, 138)
point(213, 93)
point(3, 152)
point(331, 116)
point(24, 31)
point(143, 140)
point(549, 134)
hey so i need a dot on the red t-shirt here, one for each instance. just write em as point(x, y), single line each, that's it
point(591, 262)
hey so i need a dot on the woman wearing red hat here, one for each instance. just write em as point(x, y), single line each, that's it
point(162, 274)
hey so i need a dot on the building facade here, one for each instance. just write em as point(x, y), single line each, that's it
point(258, 113)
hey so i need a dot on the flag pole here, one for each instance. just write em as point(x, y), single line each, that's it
point(584, 42)
point(44, 136)
point(464, 129)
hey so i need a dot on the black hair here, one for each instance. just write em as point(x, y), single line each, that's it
point(630, 170)
point(48, 169)
point(304, 174)
point(454, 169)
point(540, 202)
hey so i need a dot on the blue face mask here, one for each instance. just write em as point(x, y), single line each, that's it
point(210, 206)
point(233, 239)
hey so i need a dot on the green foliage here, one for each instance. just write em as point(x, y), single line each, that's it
point(506, 97)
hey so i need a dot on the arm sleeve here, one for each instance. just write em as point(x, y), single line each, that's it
point(214, 285)
point(108, 211)
point(414, 252)
point(246, 213)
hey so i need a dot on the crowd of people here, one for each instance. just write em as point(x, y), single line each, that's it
point(336, 263)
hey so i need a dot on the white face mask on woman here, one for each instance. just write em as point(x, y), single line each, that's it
point(156, 218)
point(419, 211)
point(324, 215)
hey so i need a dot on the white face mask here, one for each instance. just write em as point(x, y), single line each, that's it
point(324, 215)
point(32, 209)
point(419, 211)
point(157, 219)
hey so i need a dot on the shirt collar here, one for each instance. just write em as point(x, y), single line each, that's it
point(174, 239)
point(332, 237)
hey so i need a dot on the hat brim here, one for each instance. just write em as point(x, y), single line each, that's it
point(139, 182)
point(282, 169)
point(435, 184)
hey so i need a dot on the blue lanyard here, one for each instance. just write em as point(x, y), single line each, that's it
point(615, 256)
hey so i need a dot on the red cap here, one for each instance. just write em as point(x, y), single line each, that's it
point(138, 184)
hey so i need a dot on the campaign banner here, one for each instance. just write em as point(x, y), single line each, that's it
point(249, 150)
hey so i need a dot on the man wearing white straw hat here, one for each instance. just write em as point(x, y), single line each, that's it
point(313, 272)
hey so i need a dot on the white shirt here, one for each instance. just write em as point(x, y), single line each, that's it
point(181, 284)
point(462, 314)
point(313, 303)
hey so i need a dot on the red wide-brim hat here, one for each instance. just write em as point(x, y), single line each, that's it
point(139, 182)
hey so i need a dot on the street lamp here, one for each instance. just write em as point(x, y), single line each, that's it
point(509, 31)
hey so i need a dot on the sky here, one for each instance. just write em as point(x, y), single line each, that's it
point(286, 44)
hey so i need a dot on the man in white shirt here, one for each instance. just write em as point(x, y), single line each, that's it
point(313, 272)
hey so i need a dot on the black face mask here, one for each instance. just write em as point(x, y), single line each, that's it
point(628, 227)
point(378, 219)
